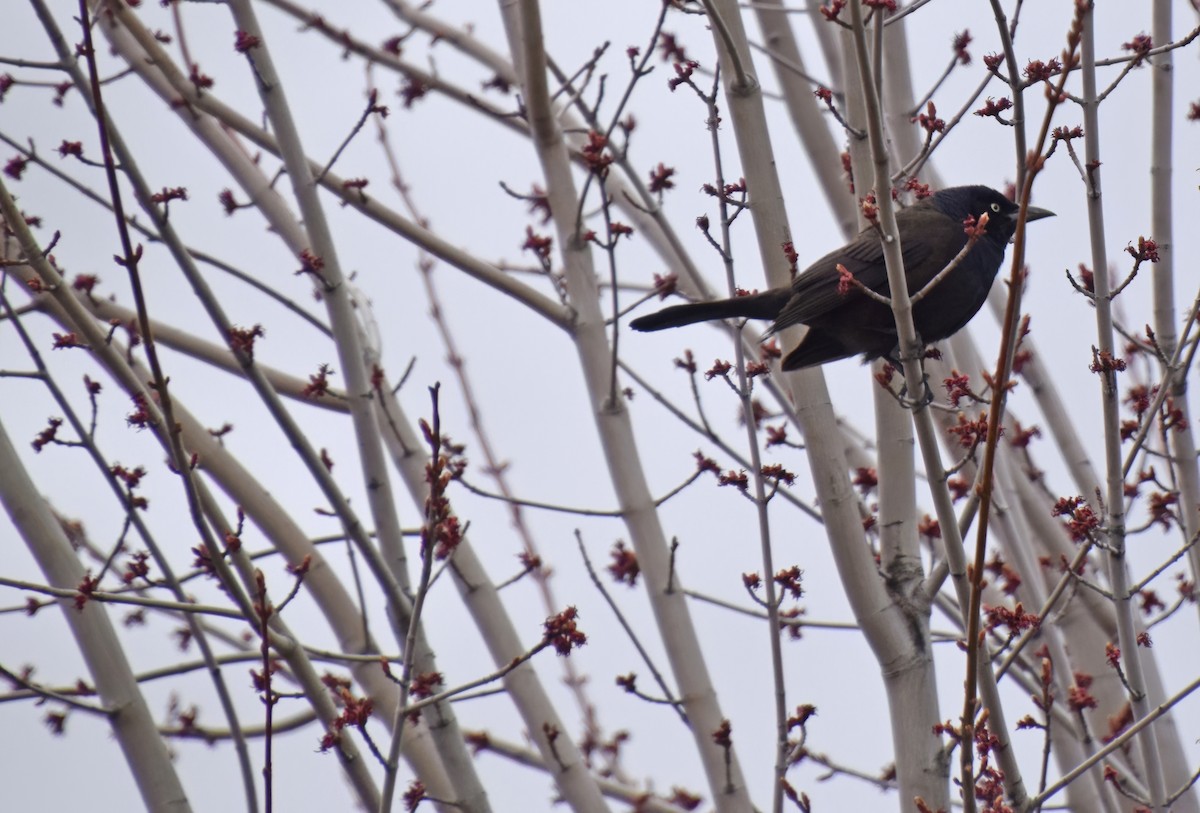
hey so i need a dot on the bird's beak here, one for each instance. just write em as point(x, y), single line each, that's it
point(1034, 213)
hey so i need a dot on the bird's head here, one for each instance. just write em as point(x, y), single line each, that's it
point(959, 202)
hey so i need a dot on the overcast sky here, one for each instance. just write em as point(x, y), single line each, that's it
point(524, 374)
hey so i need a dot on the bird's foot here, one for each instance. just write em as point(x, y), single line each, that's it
point(902, 396)
point(914, 404)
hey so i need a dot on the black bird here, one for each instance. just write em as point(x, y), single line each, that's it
point(846, 324)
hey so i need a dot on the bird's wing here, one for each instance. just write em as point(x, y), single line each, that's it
point(815, 296)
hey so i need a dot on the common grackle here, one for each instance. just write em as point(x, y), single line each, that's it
point(843, 324)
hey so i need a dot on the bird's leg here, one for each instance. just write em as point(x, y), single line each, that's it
point(891, 358)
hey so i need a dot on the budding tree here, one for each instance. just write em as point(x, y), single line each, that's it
point(334, 474)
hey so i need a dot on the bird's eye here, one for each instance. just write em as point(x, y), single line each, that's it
point(996, 207)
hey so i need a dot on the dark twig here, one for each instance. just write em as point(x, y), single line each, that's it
point(372, 107)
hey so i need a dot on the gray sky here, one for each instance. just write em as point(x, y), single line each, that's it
point(524, 375)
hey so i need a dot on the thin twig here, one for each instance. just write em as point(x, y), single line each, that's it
point(637, 644)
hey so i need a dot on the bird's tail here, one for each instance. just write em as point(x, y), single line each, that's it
point(766, 305)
